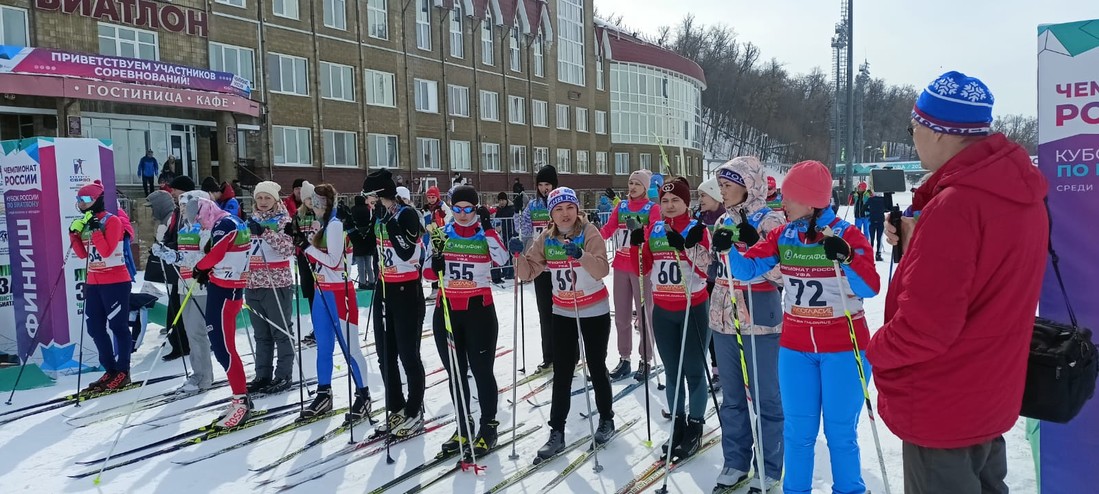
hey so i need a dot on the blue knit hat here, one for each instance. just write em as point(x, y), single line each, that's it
point(955, 103)
point(560, 195)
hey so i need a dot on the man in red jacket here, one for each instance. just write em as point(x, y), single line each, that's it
point(950, 361)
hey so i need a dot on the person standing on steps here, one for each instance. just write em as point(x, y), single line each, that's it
point(147, 168)
point(335, 310)
point(710, 208)
point(572, 251)
point(534, 220)
point(191, 239)
point(959, 313)
point(269, 290)
point(224, 271)
point(465, 251)
point(98, 237)
point(817, 370)
point(628, 287)
point(673, 245)
point(301, 228)
point(748, 219)
point(399, 311)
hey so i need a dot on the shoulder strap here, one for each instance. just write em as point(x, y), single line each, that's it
point(1057, 269)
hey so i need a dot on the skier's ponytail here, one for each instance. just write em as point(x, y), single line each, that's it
point(811, 234)
point(329, 194)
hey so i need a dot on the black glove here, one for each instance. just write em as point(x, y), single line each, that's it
point(94, 223)
point(301, 241)
point(438, 263)
point(694, 235)
point(255, 228)
point(723, 240)
point(486, 218)
point(637, 237)
point(574, 250)
point(291, 228)
point(836, 249)
point(202, 276)
point(343, 212)
point(675, 240)
point(746, 232)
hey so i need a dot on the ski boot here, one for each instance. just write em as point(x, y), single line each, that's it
point(321, 405)
point(258, 384)
point(277, 385)
point(486, 439)
point(605, 431)
point(730, 479)
point(690, 442)
point(555, 445)
point(767, 486)
point(118, 380)
point(458, 441)
point(544, 367)
point(361, 408)
point(240, 408)
point(621, 371)
point(677, 435)
point(99, 384)
point(715, 384)
point(642, 373)
point(409, 426)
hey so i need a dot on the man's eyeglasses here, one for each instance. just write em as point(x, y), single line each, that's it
point(461, 209)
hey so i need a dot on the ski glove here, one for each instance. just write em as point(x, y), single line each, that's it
point(746, 232)
point(515, 246)
point(637, 237)
point(301, 241)
point(486, 218)
point(836, 249)
point(94, 222)
point(438, 241)
point(255, 228)
point(80, 223)
point(694, 235)
point(202, 276)
point(438, 264)
point(169, 256)
point(574, 250)
point(723, 240)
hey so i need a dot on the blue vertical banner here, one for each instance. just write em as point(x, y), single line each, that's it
point(1068, 154)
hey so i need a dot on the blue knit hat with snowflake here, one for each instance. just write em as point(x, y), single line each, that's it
point(955, 103)
point(562, 195)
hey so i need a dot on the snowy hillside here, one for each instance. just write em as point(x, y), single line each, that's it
point(39, 452)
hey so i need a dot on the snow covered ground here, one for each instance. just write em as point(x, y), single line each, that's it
point(38, 452)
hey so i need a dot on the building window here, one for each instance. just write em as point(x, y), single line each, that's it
point(335, 14)
point(288, 74)
point(340, 149)
point(377, 17)
point(563, 156)
point(652, 106)
point(457, 101)
point(582, 161)
point(581, 119)
point(13, 27)
point(457, 32)
point(490, 107)
point(621, 163)
point(601, 162)
point(379, 88)
point(236, 60)
point(563, 117)
point(293, 145)
point(518, 158)
point(460, 156)
point(517, 110)
point(121, 41)
point(541, 157)
point(600, 122)
point(427, 154)
point(234, 3)
point(427, 96)
point(539, 57)
point(423, 25)
point(337, 81)
point(538, 116)
point(382, 150)
point(570, 41)
point(599, 73)
point(285, 8)
point(490, 157)
point(488, 57)
point(646, 161)
point(516, 60)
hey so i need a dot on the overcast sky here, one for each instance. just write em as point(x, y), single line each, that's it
point(906, 43)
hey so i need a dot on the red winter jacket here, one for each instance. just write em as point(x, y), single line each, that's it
point(950, 361)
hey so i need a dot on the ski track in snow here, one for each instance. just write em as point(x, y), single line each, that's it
point(39, 451)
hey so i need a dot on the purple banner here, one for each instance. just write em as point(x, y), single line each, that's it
point(44, 61)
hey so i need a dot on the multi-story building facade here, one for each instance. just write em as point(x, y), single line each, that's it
point(491, 89)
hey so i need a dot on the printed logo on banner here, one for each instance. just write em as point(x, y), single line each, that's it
point(78, 167)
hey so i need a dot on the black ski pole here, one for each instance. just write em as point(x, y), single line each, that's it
point(632, 225)
point(523, 326)
point(83, 318)
point(45, 310)
point(169, 317)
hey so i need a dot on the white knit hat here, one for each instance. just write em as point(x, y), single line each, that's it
point(267, 187)
point(306, 192)
point(711, 188)
point(404, 193)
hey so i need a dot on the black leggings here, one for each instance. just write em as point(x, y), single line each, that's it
point(398, 322)
point(566, 348)
point(475, 331)
point(876, 231)
point(543, 295)
point(305, 275)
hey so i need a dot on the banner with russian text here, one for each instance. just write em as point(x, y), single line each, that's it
point(44, 61)
point(1068, 154)
point(41, 177)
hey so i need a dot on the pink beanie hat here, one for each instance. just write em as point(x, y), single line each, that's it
point(809, 183)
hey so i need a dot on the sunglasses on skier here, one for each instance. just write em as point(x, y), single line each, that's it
point(463, 209)
point(85, 199)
